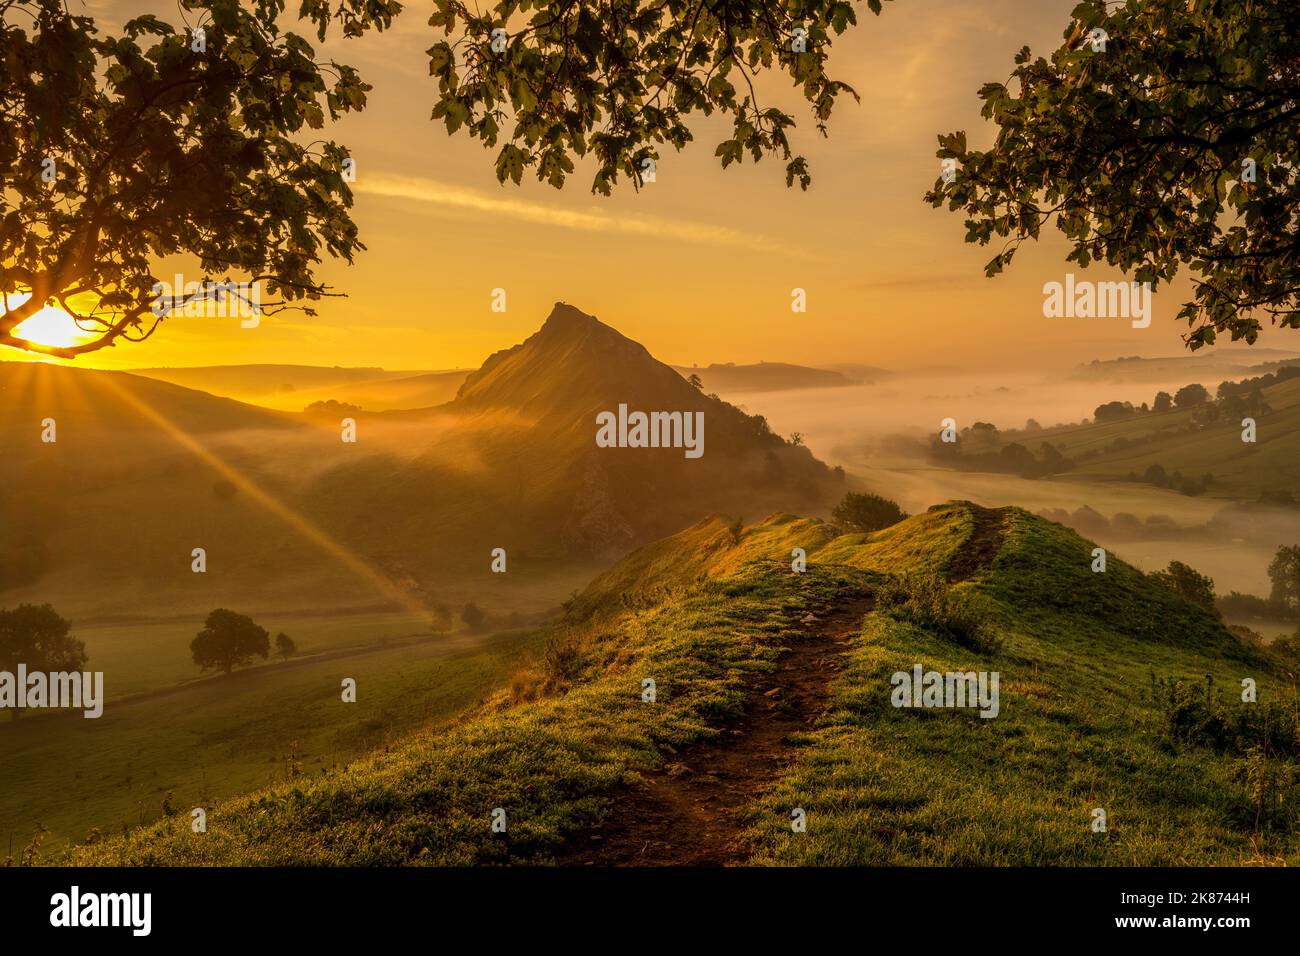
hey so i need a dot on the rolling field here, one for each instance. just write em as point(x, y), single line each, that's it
point(222, 736)
point(138, 658)
point(1241, 470)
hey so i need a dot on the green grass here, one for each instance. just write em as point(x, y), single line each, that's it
point(704, 615)
point(551, 763)
point(1077, 730)
point(222, 737)
point(138, 658)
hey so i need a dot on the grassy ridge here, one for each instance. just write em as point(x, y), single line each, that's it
point(704, 614)
point(1078, 729)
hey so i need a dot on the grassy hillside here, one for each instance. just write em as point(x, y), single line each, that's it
point(1240, 470)
point(1209, 366)
point(715, 616)
point(218, 737)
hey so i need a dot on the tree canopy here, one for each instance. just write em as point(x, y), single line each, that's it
point(117, 151)
point(37, 636)
point(1284, 572)
point(1161, 134)
point(867, 512)
point(229, 640)
point(195, 140)
point(616, 79)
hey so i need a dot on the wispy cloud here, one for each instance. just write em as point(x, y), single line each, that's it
point(430, 191)
point(924, 283)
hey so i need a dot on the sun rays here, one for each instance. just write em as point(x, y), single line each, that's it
point(320, 539)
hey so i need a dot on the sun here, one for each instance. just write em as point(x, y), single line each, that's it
point(50, 326)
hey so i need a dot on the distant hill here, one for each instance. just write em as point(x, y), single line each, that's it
point(1209, 367)
point(730, 379)
point(530, 413)
point(88, 400)
point(104, 521)
point(294, 387)
point(860, 373)
point(142, 472)
point(774, 690)
point(1184, 444)
point(386, 394)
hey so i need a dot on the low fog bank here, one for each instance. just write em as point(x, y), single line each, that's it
point(833, 421)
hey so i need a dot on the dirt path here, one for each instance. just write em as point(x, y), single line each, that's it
point(688, 813)
point(984, 543)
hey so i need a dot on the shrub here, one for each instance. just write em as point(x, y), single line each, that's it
point(1198, 716)
point(562, 660)
point(929, 603)
point(863, 512)
point(1252, 606)
point(735, 529)
point(1189, 583)
point(1287, 651)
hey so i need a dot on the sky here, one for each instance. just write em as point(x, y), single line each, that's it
point(700, 265)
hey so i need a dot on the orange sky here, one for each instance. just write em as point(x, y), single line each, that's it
point(699, 266)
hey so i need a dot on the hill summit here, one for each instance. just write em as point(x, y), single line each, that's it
point(574, 365)
point(534, 408)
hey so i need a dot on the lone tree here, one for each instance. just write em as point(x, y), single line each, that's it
point(229, 640)
point(1160, 134)
point(1284, 572)
point(1189, 396)
point(441, 618)
point(117, 150)
point(37, 636)
point(284, 646)
point(864, 512)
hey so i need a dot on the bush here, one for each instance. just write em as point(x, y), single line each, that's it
point(929, 603)
point(735, 529)
point(1198, 717)
point(1287, 651)
point(1189, 583)
point(867, 512)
